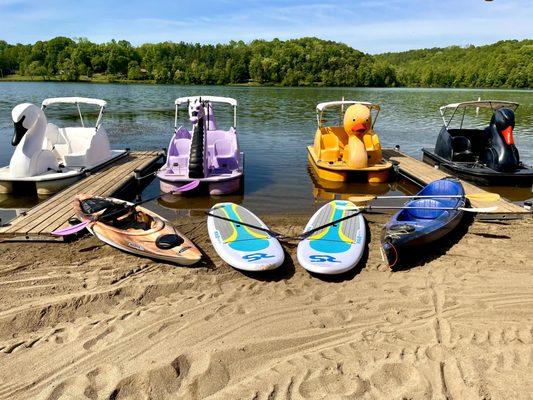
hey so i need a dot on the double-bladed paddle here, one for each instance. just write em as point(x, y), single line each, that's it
point(483, 196)
point(358, 210)
point(76, 228)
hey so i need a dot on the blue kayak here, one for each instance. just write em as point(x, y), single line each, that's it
point(411, 230)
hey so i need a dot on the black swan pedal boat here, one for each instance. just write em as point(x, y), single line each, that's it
point(484, 156)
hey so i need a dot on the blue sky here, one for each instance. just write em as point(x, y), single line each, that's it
point(372, 26)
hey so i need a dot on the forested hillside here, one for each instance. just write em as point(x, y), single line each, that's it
point(507, 63)
point(298, 62)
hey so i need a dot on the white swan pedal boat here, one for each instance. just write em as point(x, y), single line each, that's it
point(48, 158)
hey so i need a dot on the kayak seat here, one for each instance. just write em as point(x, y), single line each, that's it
point(462, 149)
point(423, 213)
point(166, 242)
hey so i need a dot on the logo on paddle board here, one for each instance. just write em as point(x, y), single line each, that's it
point(323, 258)
point(256, 256)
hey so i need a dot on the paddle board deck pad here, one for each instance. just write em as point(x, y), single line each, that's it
point(135, 229)
point(242, 247)
point(336, 248)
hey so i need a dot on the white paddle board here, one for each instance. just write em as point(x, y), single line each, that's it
point(241, 246)
point(336, 248)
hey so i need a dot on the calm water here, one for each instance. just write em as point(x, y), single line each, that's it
point(274, 126)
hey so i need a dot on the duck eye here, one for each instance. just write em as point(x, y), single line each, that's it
point(353, 120)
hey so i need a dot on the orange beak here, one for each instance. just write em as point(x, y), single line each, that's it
point(507, 134)
point(359, 128)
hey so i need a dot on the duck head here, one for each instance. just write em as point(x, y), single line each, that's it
point(24, 117)
point(196, 111)
point(357, 119)
point(503, 118)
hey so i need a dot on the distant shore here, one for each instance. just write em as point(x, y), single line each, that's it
point(103, 79)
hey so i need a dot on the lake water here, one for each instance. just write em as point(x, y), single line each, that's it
point(274, 126)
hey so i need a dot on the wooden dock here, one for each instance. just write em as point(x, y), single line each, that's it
point(422, 173)
point(54, 213)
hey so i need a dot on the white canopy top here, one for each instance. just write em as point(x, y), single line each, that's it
point(493, 104)
point(322, 106)
point(213, 99)
point(74, 100)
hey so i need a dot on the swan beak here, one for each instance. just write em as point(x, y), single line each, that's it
point(19, 131)
point(507, 134)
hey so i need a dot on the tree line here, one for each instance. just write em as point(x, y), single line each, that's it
point(297, 62)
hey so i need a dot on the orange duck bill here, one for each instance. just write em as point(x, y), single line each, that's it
point(359, 128)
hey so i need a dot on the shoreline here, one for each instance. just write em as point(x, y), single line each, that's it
point(83, 320)
point(18, 78)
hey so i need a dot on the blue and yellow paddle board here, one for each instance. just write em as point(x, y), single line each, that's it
point(336, 248)
point(242, 247)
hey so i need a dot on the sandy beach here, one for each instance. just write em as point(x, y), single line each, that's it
point(82, 320)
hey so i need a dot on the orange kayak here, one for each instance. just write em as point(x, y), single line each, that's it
point(135, 229)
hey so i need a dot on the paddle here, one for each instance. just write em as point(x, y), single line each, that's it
point(76, 228)
point(358, 209)
point(483, 196)
point(276, 235)
point(467, 209)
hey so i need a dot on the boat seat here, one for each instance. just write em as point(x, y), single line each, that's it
point(225, 154)
point(178, 158)
point(423, 213)
point(330, 151)
point(212, 137)
point(462, 149)
point(75, 159)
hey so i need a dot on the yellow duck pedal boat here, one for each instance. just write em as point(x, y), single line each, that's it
point(351, 152)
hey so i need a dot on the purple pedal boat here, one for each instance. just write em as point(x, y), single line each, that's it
point(207, 154)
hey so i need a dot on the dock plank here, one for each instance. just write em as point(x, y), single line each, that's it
point(53, 213)
point(423, 174)
point(101, 188)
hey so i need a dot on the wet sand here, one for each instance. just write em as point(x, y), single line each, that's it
point(84, 321)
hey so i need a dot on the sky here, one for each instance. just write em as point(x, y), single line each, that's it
point(372, 26)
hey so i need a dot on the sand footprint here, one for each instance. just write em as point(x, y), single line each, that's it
point(70, 389)
point(398, 380)
point(332, 382)
point(158, 383)
point(103, 339)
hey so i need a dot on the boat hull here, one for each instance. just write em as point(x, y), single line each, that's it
point(411, 231)
point(214, 187)
point(480, 174)
point(378, 173)
point(48, 184)
point(142, 242)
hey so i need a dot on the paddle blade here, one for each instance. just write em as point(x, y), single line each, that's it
point(71, 229)
point(479, 209)
point(483, 196)
point(361, 198)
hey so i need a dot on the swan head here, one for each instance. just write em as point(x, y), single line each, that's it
point(24, 117)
